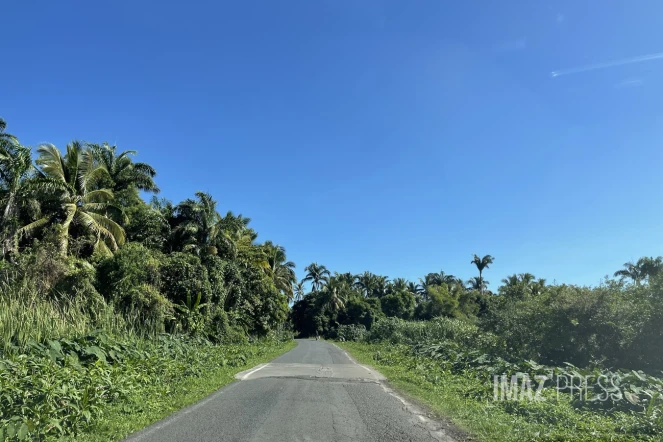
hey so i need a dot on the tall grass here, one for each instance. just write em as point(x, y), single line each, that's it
point(26, 314)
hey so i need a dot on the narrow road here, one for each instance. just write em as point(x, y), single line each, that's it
point(315, 392)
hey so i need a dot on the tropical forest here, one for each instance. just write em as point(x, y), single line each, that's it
point(119, 307)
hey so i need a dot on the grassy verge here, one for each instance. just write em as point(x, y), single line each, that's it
point(461, 399)
point(102, 387)
point(154, 402)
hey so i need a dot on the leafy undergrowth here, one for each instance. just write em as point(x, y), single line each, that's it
point(100, 388)
point(465, 393)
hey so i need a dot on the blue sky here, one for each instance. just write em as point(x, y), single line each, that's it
point(397, 137)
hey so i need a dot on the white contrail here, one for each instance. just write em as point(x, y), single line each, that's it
point(608, 64)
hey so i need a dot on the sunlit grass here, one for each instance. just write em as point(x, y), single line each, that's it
point(27, 315)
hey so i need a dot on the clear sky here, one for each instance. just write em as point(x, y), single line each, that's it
point(393, 136)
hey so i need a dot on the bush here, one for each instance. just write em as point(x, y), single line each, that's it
point(399, 305)
point(216, 270)
point(360, 311)
point(129, 279)
point(610, 325)
point(182, 275)
point(398, 331)
point(63, 386)
point(147, 226)
point(351, 332)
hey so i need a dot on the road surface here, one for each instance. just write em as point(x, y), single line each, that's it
point(315, 392)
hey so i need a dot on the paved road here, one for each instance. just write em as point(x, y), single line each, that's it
point(315, 392)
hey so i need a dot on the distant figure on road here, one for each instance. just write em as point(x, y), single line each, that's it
point(316, 335)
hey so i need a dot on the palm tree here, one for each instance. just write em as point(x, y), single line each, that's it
point(477, 283)
point(317, 274)
point(300, 291)
point(122, 171)
point(482, 263)
point(431, 279)
point(445, 278)
point(523, 284)
point(4, 136)
point(381, 285)
point(198, 224)
point(632, 271)
point(235, 234)
point(347, 277)
point(69, 182)
point(650, 266)
point(414, 288)
point(333, 295)
point(644, 269)
point(281, 271)
point(366, 283)
point(398, 285)
point(15, 166)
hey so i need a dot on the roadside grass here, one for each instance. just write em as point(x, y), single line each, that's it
point(456, 397)
point(159, 400)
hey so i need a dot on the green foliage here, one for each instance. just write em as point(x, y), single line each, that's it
point(147, 226)
point(130, 280)
point(361, 311)
point(610, 325)
point(66, 269)
point(457, 383)
point(183, 275)
point(350, 332)
point(399, 304)
point(63, 386)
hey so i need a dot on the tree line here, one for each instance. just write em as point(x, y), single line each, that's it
point(618, 323)
point(74, 226)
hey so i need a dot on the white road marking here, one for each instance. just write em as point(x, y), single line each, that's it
point(260, 367)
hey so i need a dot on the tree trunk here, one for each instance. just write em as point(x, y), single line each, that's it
point(481, 282)
point(64, 230)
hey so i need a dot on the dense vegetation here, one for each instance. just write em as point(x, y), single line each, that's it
point(444, 340)
point(106, 299)
point(617, 324)
point(103, 294)
point(444, 364)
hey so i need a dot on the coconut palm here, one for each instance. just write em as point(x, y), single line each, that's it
point(643, 269)
point(477, 283)
point(347, 277)
point(414, 288)
point(300, 291)
point(317, 275)
point(281, 271)
point(631, 271)
point(650, 266)
point(4, 136)
point(522, 285)
point(482, 263)
point(122, 171)
point(197, 224)
point(366, 283)
point(15, 166)
point(69, 182)
point(398, 285)
point(234, 234)
point(381, 286)
point(333, 295)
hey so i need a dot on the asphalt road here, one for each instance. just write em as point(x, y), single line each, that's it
point(315, 392)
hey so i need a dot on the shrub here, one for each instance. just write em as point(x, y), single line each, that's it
point(360, 311)
point(147, 226)
point(216, 270)
point(398, 331)
point(130, 279)
point(351, 332)
point(399, 305)
point(182, 275)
